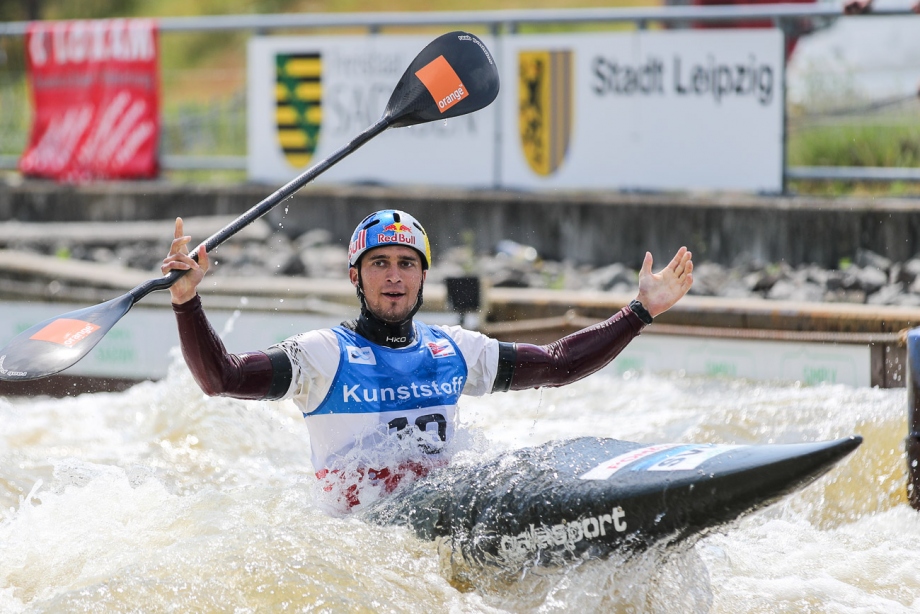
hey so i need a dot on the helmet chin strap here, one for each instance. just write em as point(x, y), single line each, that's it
point(381, 332)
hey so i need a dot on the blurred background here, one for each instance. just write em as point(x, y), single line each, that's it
point(851, 83)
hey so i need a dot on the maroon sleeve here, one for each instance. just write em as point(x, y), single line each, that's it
point(218, 373)
point(574, 356)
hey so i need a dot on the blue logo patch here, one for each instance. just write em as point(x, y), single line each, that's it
point(360, 356)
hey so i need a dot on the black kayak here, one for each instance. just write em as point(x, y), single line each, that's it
point(588, 497)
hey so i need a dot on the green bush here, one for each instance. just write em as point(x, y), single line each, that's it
point(892, 143)
point(856, 145)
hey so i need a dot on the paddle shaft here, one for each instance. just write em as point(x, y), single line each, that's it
point(264, 207)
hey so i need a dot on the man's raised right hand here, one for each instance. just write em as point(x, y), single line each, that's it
point(179, 259)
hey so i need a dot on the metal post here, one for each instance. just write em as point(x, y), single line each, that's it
point(498, 53)
point(784, 27)
point(913, 418)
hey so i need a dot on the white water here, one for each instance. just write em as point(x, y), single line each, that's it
point(159, 499)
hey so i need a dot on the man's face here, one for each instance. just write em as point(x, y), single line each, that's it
point(392, 276)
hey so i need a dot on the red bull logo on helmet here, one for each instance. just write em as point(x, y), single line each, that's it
point(397, 237)
point(396, 227)
point(397, 232)
point(358, 244)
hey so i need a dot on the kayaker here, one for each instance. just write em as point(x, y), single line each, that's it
point(385, 380)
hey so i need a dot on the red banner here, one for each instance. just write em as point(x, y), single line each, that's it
point(95, 92)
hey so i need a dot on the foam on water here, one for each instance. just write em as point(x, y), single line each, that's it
point(159, 498)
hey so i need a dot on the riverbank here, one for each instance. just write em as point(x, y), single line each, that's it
point(594, 229)
point(292, 247)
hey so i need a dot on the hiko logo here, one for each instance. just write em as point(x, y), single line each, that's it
point(359, 394)
point(566, 534)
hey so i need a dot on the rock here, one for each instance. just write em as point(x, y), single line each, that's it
point(313, 238)
point(516, 251)
point(815, 274)
point(105, 255)
point(791, 290)
point(708, 279)
point(606, 278)
point(869, 279)
point(552, 274)
point(325, 261)
point(737, 288)
point(907, 300)
point(136, 256)
point(869, 259)
point(575, 278)
point(887, 295)
point(747, 263)
point(894, 273)
point(759, 281)
point(444, 270)
point(510, 278)
point(290, 265)
point(909, 271)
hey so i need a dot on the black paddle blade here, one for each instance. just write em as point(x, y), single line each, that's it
point(56, 344)
point(454, 75)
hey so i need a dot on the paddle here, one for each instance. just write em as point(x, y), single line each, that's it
point(452, 76)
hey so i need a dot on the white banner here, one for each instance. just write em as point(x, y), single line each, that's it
point(791, 361)
point(310, 96)
point(666, 110)
point(669, 110)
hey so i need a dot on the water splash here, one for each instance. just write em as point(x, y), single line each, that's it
point(159, 498)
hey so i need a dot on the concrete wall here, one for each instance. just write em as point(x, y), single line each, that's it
point(591, 228)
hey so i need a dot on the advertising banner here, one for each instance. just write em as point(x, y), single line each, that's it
point(309, 96)
point(95, 100)
point(669, 110)
point(645, 111)
point(790, 361)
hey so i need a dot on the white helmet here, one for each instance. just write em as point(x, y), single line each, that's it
point(389, 227)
